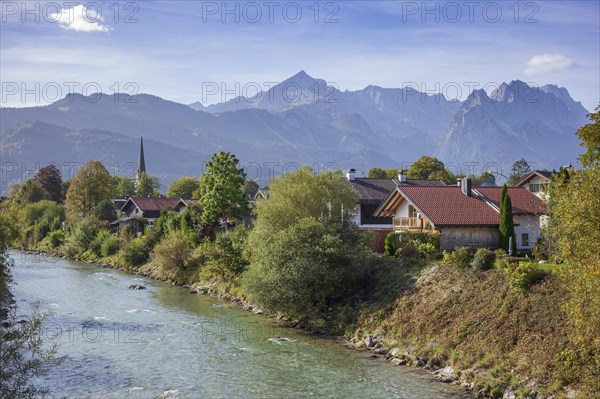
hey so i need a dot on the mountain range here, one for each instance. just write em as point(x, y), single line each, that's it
point(302, 120)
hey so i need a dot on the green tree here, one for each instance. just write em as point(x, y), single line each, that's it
point(430, 168)
point(392, 173)
point(507, 227)
point(124, 186)
point(147, 186)
point(49, 178)
point(221, 193)
point(306, 268)
point(184, 187)
point(31, 191)
point(376, 173)
point(519, 170)
point(105, 211)
point(251, 188)
point(90, 186)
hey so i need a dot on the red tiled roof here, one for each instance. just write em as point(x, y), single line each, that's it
point(374, 191)
point(448, 206)
point(523, 202)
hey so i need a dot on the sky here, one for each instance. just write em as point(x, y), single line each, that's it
point(188, 51)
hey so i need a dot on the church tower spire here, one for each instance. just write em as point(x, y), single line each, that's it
point(141, 169)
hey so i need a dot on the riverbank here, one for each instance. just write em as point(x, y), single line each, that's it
point(465, 327)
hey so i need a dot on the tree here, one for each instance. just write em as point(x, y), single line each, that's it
point(376, 173)
point(90, 186)
point(105, 211)
point(147, 186)
point(124, 186)
point(184, 187)
point(251, 188)
point(487, 178)
point(30, 192)
point(392, 173)
point(172, 253)
point(519, 170)
point(49, 178)
point(221, 193)
point(305, 269)
point(507, 227)
point(590, 139)
point(301, 194)
point(430, 168)
point(575, 217)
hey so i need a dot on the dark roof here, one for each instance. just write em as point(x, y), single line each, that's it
point(541, 173)
point(374, 191)
point(151, 206)
point(523, 202)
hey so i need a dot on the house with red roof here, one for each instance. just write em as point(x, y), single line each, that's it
point(371, 193)
point(463, 215)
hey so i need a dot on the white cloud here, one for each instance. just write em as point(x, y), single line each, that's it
point(543, 63)
point(80, 19)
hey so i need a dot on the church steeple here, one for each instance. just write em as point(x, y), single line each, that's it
point(141, 169)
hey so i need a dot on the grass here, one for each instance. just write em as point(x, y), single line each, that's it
point(472, 321)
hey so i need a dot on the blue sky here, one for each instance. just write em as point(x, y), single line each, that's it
point(173, 49)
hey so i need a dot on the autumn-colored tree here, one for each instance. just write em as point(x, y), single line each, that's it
point(221, 193)
point(91, 185)
point(184, 187)
point(575, 217)
point(49, 178)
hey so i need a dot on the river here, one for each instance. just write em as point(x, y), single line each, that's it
point(165, 342)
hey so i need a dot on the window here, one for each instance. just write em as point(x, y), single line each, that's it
point(525, 239)
point(412, 212)
point(534, 187)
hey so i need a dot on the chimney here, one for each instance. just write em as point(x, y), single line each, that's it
point(401, 177)
point(465, 186)
point(351, 174)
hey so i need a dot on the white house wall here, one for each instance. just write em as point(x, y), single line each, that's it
point(529, 224)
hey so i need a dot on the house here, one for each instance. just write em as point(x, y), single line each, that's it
point(463, 215)
point(371, 193)
point(142, 211)
point(537, 182)
point(262, 193)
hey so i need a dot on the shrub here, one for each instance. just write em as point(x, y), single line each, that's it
point(509, 261)
point(396, 240)
point(54, 239)
point(427, 250)
point(523, 276)
point(110, 246)
point(408, 251)
point(541, 250)
point(484, 259)
point(461, 257)
point(172, 253)
point(134, 252)
point(500, 253)
point(83, 233)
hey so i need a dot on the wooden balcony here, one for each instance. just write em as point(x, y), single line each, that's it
point(407, 223)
